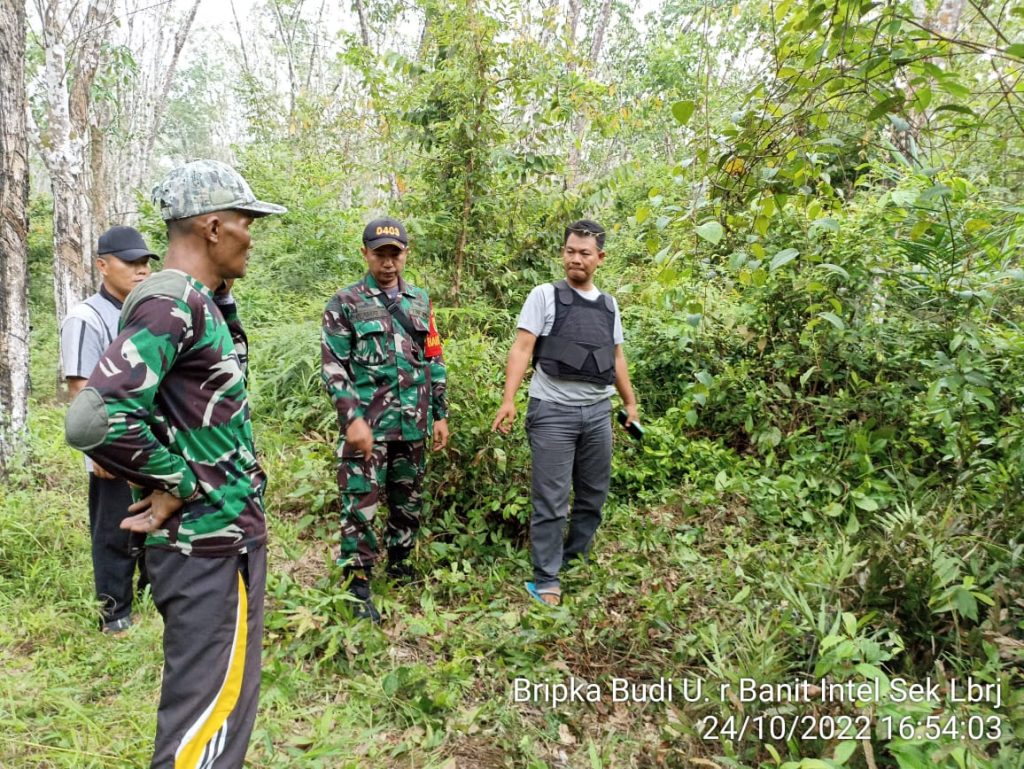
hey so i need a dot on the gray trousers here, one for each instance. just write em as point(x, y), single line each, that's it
point(213, 633)
point(571, 447)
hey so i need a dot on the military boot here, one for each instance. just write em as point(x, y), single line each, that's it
point(359, 587)
point(399, 568)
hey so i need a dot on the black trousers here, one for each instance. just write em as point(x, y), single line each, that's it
point(114, 559)
point(213, 633)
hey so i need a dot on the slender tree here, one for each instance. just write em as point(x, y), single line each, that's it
point(156, 40)
point(13, 231)
point(72, 46)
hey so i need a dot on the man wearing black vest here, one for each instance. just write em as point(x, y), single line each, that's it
point(572, 333)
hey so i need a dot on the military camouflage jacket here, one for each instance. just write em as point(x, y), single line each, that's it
point(167, 408)
point(373, 368)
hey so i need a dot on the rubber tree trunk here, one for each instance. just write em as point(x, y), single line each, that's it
point(14, 356)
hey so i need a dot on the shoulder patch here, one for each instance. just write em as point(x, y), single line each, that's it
point(169, 283)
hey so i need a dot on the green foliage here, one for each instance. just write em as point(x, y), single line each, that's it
point(815, 239)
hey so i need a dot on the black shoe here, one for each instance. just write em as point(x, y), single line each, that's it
point(117, 627)
point(402, 571)
point(399, 568)
point(364, 608)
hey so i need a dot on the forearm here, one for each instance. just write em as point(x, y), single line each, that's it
point(622, 383)
point(438, 388)
point(515, 369)
point(75, 385)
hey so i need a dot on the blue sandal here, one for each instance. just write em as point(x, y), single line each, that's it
point(550, 591)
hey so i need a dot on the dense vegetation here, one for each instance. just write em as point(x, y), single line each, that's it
point(816, 240)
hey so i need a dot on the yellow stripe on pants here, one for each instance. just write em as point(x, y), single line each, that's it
point(190, 752)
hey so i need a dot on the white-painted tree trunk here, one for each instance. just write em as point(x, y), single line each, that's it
point(14, 357)
point(63, 138)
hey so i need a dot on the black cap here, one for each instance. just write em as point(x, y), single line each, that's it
point(125, 243)
point(381, 232)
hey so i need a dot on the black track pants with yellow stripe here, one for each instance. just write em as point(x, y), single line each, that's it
point(213, 631)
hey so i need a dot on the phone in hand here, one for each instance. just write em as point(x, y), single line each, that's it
point(635, 430)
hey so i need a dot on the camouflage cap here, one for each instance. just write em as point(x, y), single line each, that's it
point(203, 186)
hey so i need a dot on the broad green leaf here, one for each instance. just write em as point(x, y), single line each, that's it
point(888, 104)
point(1017, 49)
point(834, 319)
point(865, 503)
point(963, 109)
point(904, 197)
point(835, 269)
point(741, 596)
point(844, 750)
point(682, 111)
point(785, 256)
point(711, 231)
point(935, 191)
point(922, 98)
point(954, 88)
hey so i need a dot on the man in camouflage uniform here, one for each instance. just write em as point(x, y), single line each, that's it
point(383, 368)
point(167, 409)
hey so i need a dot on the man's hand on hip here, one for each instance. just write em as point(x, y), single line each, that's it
point(152, 511)
point(101, 472)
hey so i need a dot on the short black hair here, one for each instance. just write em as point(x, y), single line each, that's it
point(178, 227)
point(585, 228)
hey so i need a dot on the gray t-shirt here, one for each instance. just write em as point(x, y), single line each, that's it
point(537, 317)
point(85, 334)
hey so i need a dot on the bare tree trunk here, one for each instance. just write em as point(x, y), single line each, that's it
point(98, 185)
point(579, 123)
point(572, 21)
point(364, 27)
point(460, 245)
point(241, 41)
point(383, 153)
point(602, 23)
point(160, 104)
point(287, 33)
point(143, 99)
point(14, 357)
point(64, 140)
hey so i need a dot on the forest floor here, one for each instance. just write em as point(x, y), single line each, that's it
point(709, 595)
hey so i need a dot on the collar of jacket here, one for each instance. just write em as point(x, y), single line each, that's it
point(371, 283)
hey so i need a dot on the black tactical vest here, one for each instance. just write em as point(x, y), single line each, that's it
point(581, 344)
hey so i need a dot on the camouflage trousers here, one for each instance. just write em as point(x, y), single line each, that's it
point(396, 468)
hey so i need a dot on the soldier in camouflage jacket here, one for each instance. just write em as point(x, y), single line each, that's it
point(167, 409)
point(384, 371)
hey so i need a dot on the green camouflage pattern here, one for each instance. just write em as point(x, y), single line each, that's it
point(397, 468)
point(167, 408)
point(203, 186)
point(372, 368)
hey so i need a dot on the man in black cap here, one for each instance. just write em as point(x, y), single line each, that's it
point(383, 369)
point(123, 262)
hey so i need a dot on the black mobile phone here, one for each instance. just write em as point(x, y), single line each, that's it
point(634, 429)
